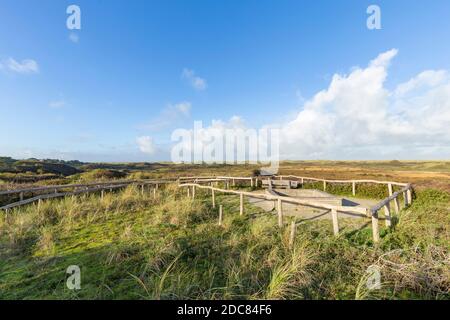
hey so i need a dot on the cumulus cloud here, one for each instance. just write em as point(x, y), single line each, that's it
point(146, 145)
point(195, 81)
point(25, 66)
point(358, 117)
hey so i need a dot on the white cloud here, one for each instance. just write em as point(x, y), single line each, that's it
point(183, 107)
point(424, 80)
point(169, 116)
point(57, 104)
point(195, 81)
point(26, 66)
point(357, 117)
point(146, 145)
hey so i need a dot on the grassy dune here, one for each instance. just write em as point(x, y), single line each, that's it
point(131, 246)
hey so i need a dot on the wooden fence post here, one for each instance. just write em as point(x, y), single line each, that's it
point(387, 214)
point(220, 214)
point(142, 190)
point(251, 182)
point(396, 205)
point(102, 194)
point(375, 232)
point(334, 217)
point(405, 198)
point(188, 192)
point(213, 198)
point(354, 188)
point(21, 196)
point(154, 193)
point(390, 189)
point(234, 183)
point(280, 213)
point(324, 185)
point(292, 235)
point(241, 204)
point(409, 195)
point(193, 192)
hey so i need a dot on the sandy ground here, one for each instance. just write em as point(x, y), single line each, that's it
point(306, 213)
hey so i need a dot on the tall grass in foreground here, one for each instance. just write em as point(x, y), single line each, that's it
point(134, 246)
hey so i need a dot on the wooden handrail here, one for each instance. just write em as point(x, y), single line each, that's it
point(59, 195)
point(282, 198)
point(373, 211)
point(67, 186)
point(345, 181)
point(383, 202)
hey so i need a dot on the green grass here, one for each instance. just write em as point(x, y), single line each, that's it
point(131, 246)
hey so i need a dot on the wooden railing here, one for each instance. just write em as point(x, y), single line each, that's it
point(372, 212)
point(76, 190)
point(196, 182)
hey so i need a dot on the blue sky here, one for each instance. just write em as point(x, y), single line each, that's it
point(143, 68)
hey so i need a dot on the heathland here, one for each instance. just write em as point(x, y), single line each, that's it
point(131, 245)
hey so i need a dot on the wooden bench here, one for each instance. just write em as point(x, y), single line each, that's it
point(286, 184)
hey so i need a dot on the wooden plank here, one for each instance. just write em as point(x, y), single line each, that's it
point(354, 188)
